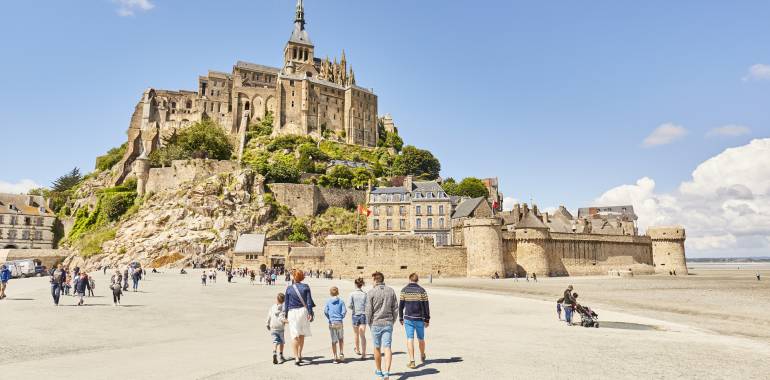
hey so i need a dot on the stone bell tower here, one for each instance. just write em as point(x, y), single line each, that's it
point(299, 50)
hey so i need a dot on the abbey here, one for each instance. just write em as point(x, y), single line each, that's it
point(307, 96)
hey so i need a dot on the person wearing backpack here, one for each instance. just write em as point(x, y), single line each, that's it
point(58, 278)
point(116, 285)
point(5, 276)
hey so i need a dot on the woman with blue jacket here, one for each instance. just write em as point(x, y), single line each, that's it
point(298, 307)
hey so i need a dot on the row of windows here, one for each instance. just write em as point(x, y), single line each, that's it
point(402, 224)
point(28, 220)
point(25, 234)
point(252, 257)
point(405, 197)
point(257, 76)
point(402, 210)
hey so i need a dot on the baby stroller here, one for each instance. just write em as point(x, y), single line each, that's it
point(588, 318)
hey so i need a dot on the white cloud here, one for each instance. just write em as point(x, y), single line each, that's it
point(664, 134)
point(21, 187)
point(725, 206)
point(758, 71)
point(129, 7)
point(509, 202)
point(730, 130)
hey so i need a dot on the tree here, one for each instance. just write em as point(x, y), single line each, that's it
point(283, 168)
point(417, 162)
point(394, 141)
point(339, 176)
point(468, 187)
point(299, 231)
point(67, 181)
point(205, 139)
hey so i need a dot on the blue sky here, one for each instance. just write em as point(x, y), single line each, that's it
point(554, 98)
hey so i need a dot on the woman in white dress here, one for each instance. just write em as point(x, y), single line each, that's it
point(298, 306)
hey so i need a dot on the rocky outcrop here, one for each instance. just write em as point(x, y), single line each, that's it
point(197, 222)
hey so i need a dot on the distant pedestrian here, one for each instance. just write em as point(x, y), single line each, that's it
point(5, 276)
point(299, 313)
point(273, 278)
point(58, 278)
point(91, 286)
point(335, 311)
point(381, 313)
point(276, 322)
point(758, 277)
point(104, 270)
point(203, 278)
point(135, 277)
point(81, 283)
point(414, 314)
point(497, 276)
point(357, 306)
point(125, 279)
point(526, 276)
point(516, 276)
point(214, 276)
point(534, 277)
point(116, 285)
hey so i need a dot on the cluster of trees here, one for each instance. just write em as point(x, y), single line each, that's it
point(343, 177)
point(416, 162)
point(204, 139)
point(61, 190)
point(468, 187)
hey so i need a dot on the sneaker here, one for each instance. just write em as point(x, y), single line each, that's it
point(342, 358)
point(411, 365)
point(275, 358)
point(423, 358)
point(386, 375)
point(379, 374)
point(283, 359)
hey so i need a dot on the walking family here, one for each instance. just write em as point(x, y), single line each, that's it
point(379, 308)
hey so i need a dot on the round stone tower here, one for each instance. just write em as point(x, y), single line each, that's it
point(532, 250)
point(668, 249)
point(142, 172)
point(483, 242)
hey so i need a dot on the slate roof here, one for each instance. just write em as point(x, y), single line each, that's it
point(530, 221)
point(424, 186)
point(389, 190)
point(250, 243)
point(254, 66)
point(299, 35)
point(466, 208)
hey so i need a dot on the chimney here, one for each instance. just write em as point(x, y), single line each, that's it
point(516, 213)
point(524, 209)
point(408, 183)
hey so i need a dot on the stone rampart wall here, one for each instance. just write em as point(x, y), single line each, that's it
point(351, 256)
point(309, 200)
point(585, 254)
point(182, 171)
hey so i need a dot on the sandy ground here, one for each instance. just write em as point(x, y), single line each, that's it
point(176, 329)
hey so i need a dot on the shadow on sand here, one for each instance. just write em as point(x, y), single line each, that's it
point(627, 326)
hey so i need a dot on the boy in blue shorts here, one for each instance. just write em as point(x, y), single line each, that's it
point(275, 324)
point(414, 314)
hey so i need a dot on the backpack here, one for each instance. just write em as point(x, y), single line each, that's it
point(58, 276)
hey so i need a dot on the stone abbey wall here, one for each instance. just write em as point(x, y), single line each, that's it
point(351, 256)
point(182, 171)
point(308, 200)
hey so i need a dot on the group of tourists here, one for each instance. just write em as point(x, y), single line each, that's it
point(62, 280)
point(379, 308)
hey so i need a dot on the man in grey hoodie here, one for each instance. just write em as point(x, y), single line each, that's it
point(381, 312)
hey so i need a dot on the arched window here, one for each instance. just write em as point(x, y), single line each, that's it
point(246, 106)
point(189, 104)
